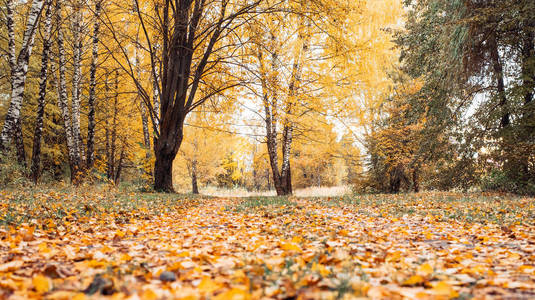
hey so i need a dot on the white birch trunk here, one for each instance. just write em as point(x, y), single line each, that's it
point(36, 152)
point(62, 91)
point(19, 71)
point(92, 85)
point(76, 83)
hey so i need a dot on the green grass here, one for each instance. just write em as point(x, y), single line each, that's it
point(444, 206)
point(261, 202)
point(42, 204)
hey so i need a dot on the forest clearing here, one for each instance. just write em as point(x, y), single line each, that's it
point(267, 149)
point(90, 244)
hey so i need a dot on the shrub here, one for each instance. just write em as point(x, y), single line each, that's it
point(11, 172)
point(500, 181)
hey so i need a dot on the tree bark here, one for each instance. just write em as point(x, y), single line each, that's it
point(76, 82)
point(19, 68)
point(269, 98)
point(113, 132)
point(416, 180)
point(36, 153)
point(194, 185)
point(166, 150)
point(145, 125)
point(117, 174)
point(92, 85)
point(528, 64)
point(62, 98)
point(498, 75)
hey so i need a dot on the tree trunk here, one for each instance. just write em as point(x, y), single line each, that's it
point(528, 64)
point(145, 125)
point(113, 138)
point(109, 163)
point(10, 22)
point(194, 186)
point(62, 98)
point(92, 85)
point(19, 68)
point(270, 111)
point(76, 82)
point(498, 75)
point(156, 103)
point(163, 171)
point(416, 180)
point(117, 175)
point(286, 175)
point(36, 153)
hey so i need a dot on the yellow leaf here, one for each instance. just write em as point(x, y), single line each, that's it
point(414, 280)
point(208, 286)
point(425, 269)
point(527, 269)
point(394, 256)
point(320, 269)
point(149, 295)
point(79, 296)
point(43, 248)
point(42, 284)
point(126, 257)
point(183, 254)
point(119, 234)
point(290, 247)
point(444, 289)
point(233, 294)
point(297, 239)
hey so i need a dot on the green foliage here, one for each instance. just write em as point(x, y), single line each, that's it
point(478, 82)
point(500, 181)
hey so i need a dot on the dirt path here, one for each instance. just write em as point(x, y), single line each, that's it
point(300, 249)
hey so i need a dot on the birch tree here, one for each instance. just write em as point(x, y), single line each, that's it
point(76, 22)
point(62, 97)
point(280, 100)
point(45, 57)
point(19, 69)
point(92, 86)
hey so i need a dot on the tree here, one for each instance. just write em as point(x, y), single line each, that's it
point(92, 86)
point(190, 35)
point(473, 59)
point(36, 153)
point(19, 68)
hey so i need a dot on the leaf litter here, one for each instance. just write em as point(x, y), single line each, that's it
point(296, 248)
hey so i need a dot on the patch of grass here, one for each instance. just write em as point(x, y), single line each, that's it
point(48, 205)
point(443, 206)
point(255, 203)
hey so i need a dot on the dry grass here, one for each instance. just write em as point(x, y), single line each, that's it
point(305, 192)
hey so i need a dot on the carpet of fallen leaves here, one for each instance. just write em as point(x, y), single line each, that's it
point(77, 244)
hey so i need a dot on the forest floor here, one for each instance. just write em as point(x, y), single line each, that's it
point(83, 244)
